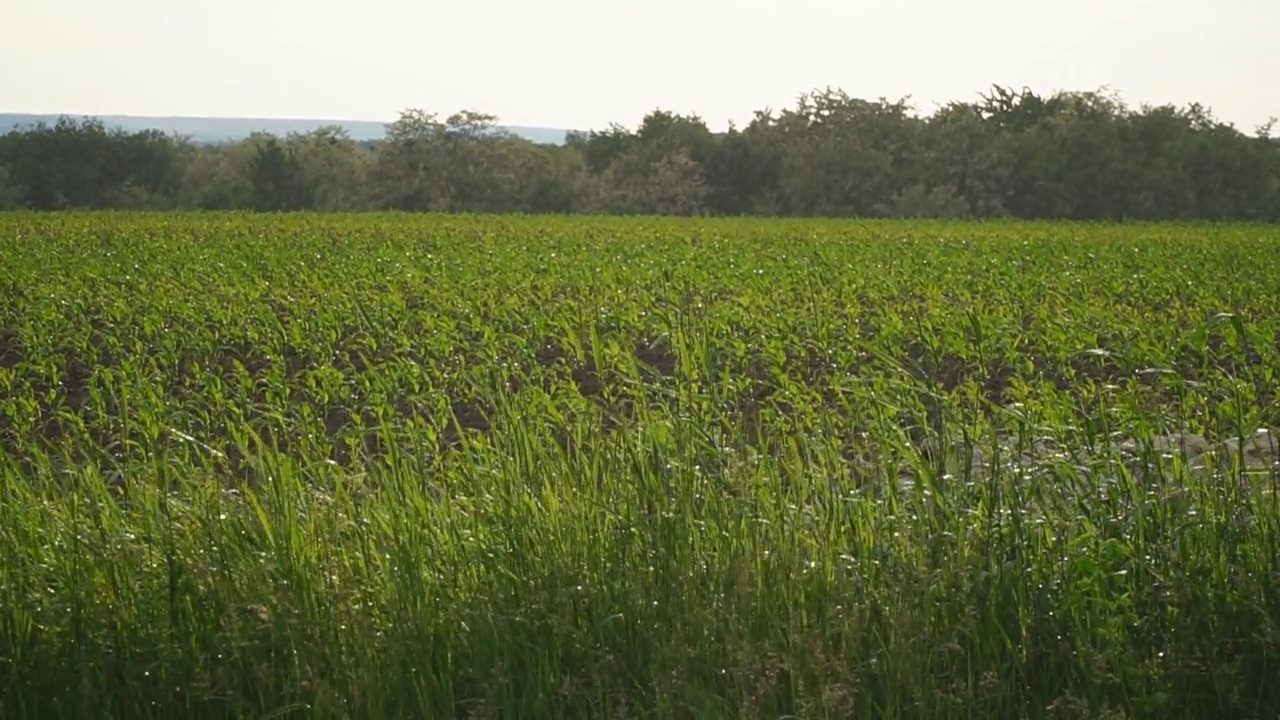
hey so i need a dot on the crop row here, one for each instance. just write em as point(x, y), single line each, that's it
point(459, 466)
point(321, 334)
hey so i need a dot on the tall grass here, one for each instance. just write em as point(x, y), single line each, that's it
point(439, 467)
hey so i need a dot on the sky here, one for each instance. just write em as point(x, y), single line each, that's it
point(582, 65)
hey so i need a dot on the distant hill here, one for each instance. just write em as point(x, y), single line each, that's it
point(219, 130)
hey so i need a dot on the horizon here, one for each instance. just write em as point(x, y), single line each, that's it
point(564, 64)
point(78, 115)
point(218, 130)
point(502, 122)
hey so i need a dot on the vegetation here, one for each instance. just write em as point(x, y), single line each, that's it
point(1070, 155)
point(453, 465)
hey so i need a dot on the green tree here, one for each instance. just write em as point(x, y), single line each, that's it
point(275, 174)
point(744, 172)
point(1082, 155)
point(330, 167)
point(12, 196)
point(962, 164)
point(408, 167)
point(82, 164)
point(217, 177)
point(842, 156)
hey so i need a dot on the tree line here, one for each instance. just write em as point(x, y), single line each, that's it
point(1069, 155)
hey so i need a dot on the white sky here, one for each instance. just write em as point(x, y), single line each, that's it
point(581, 64)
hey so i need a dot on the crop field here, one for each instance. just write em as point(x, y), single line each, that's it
point(452, 466)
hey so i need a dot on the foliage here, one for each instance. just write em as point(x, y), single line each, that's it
point(451, 465)
point(1071, 155)
point(10, 195)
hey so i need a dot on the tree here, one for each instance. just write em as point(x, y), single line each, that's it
point(963, 158)
point(217, 178)
point(743, 173)
point(1081, 155)
point(841, 156)
point(12, 196)
point(331, 167)
point(275, 174)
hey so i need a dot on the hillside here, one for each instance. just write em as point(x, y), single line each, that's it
point(217, 130)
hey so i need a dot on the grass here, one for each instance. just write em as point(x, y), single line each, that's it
point(392, 466)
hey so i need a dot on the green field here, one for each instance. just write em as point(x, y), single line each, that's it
point(450, 466)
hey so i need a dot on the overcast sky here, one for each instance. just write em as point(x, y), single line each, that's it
point(582, 64)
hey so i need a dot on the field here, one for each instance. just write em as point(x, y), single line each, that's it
point(451, 466)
